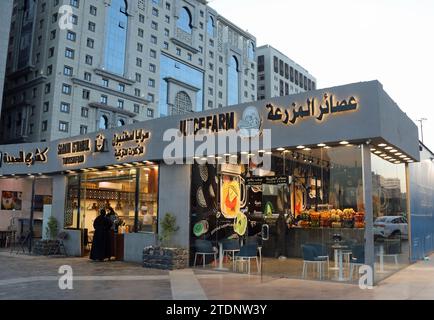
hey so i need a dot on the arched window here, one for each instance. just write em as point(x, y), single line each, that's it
point(121, 122)
point(182, 103)
point(233, 82)
point(210, 26)
point(116, 37)
point(103, 122)
point(185, 20)
point(251, 52)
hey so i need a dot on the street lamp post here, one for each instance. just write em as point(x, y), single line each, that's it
point(421, 120)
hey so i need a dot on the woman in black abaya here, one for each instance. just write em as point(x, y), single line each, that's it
point(101, 239)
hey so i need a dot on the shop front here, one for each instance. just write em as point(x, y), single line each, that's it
point(300, 186)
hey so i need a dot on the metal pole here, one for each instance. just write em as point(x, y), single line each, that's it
point(32, 210)
point(136, 200)
point(421, 120)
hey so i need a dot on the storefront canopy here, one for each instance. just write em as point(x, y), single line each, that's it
point(358, 113)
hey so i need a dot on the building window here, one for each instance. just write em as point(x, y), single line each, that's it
point(91, 26)
point(139, 47)
point(152, 53)
point(154, 40)
point(121, 87)
point(44, 126)
point(141, 18)
point(67, 71)
point(167, 6)
point(166, 32)
point(210, 91)
point(296, 76)
point(54, 17)
point(154, 25)
point(137, 92)
point(84, 112)
point(276, 64)
point(63, 126)
point(90, 43)
point(210, 26)
point(189, 56)
point(105, 82)
point(120, 104)
point(103, 122)
point(210, 104)
point(73, 19)
point(71, 36)
point(286, 71)
point(121, 122)
point(151, 83)
point(86, 94)
point(140, 33)
point(103, 99)
point(152, 67)
point(49, 70)
point(66, 89)
point(64, 107)
point(87, 76)
point(233, 81)
point(291, 74)
point(47, 88)
point(138, 77)
point(166, 45)
point(281, 69)
point(155, 12)
point(182, 103)
point(150, 113)
point(178, 51)
point(53, 35)
point(50, 52)
point(69, 53)
point(74, 3)
point(136, 108)
point(92, 10)
point(89, 59)
point(150, 97)
point(116, 37)
point(138, 62)
point(184, 20)
point(167, 19)
point(309, 84)
point(46, 106)
point(83, 129)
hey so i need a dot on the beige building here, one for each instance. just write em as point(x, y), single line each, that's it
point(5, 22)
point(118, 62)
point(279, 76)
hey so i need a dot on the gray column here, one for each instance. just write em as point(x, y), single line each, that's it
point(174, 197)
point(59, 195)
point(367, 198)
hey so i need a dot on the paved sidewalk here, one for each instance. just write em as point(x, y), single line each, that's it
point(33, 277)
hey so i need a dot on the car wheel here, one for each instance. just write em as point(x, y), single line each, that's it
point(396, 235)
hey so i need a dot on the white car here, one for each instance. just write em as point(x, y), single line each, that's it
point(391, 227)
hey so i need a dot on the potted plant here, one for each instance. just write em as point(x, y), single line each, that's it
point(51, 229)
point(166, 255)
point(50, 245)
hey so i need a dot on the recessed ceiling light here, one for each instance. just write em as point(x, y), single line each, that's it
point(300, 147)
point(382, 145)
point(393, 150)
point(261, 151)
point(383, 155)
point(280, 149)
point(327, 147)
point(397, 162)
point(373, 149)
point(211, 156)
point(388, 157)
point(268, 152)
point(227, 154)
point(203, 159)
point(307, 149)
point(388, 148)
point(344, 142)
point(234, 156)
point(410, 161)
point(403, 156)
point(377, 152)
point(244, 152)
point(406, 159)
point(218, 157)
point(398, 154)
point(321, 144)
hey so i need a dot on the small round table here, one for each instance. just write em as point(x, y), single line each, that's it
point(339, 253)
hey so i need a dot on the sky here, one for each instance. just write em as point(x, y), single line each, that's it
point(347, 41)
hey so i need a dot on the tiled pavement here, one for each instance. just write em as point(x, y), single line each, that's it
point(31, 277)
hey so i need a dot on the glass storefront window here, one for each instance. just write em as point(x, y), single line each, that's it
point(125, 190)
point(309, 198)
point(390, 216)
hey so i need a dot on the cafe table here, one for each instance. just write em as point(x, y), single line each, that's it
point(339, 254)
point(221, 257)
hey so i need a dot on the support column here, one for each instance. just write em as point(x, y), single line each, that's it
point(367, 199)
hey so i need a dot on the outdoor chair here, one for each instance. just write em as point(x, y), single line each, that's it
point(320, 251)
point(357, 258)
point(231, 247)
point(204, 248)
point(310, 256)
point(246, 254)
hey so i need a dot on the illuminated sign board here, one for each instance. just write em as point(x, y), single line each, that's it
point(212, 123)
point(27, 158)
point(72, 152)
point(130, 143)
point(312, 109)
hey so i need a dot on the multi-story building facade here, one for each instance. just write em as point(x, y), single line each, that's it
point(117, 62)
point(5, 23)
point(278, 75)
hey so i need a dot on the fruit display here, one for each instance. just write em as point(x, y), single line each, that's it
point(315, 224)
point(347, 214)
point(305, 216)
point(336, 225)
point(304, 224)
point(359, 217)
point(335, 215)
point(325, 219)
point(314, 219)
point(359, 225)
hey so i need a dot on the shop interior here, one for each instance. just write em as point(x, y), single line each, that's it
point(122, 189)
point(303, 218)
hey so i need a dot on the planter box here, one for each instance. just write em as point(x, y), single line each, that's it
point(165, 258)
point(46, 247)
